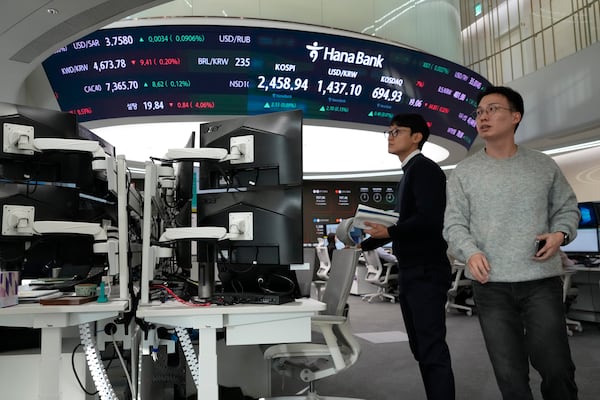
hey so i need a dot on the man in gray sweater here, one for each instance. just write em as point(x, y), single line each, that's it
point(502, 201)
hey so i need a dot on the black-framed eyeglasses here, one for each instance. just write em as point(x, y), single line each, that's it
point(394, 132)
point(490, 109)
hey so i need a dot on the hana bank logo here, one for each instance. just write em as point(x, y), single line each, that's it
point(314, 49)
point(331, 54)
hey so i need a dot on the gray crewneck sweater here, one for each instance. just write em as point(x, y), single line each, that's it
point(499, 206)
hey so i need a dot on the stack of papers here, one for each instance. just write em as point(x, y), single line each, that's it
point(371, 214)
point(34, 296)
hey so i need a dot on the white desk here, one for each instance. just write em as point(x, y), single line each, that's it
point(244, 324)
point(51, 320)
point(585, 307)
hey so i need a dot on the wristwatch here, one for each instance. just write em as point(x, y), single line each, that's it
point(565, 238)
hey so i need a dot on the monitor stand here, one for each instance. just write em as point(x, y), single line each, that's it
point(206, 272)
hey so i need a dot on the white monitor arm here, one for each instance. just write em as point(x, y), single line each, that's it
point(241, 150)
point(85, 146)
point(200, 233)
point(19, 221)
point(240, 228)
point(20, 139)
point(189, 154)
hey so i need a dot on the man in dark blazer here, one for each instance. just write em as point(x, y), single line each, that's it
point(424, 268)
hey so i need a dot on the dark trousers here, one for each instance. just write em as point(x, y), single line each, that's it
point(423, 294)
point(524, 322)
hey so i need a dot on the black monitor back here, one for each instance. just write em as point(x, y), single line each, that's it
point(36, 255)
point(277, 151)
point(277, 223)
point(184, 184)
point(53, 166)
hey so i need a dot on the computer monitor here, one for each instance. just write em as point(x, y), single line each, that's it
point(49, 166)
point(52, 185)
point(268, 185)
point(596, 205)
point(184, 193)
point(46, 123)
point(586, 242)
point(85, 133)
point(589, 216)
point(277, 147)
point(36, 255)
point(276, 242)
point(330, 228)
point(277, 231)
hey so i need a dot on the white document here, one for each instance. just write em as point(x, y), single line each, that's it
point(27, 295)
point(365, 213)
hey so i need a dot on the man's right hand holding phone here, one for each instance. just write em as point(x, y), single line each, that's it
point(547, 244)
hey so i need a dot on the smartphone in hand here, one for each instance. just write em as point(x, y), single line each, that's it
point(538, 245)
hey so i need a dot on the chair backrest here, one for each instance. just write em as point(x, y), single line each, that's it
point(340, 281)
point(343, 232)
point(374, 266)
point(306, 276)
point(324, 263)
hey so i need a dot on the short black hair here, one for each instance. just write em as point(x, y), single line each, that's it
point(415, 122)
point(515, 100)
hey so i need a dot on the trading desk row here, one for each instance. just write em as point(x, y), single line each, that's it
point(69, 203)
point(585, 282)
point(48, 375)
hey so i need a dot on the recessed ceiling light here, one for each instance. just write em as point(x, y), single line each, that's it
point(52, 11)
point(574, 147)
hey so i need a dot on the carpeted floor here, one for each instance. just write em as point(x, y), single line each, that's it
point(386, 369)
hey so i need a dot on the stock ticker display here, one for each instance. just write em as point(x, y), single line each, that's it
point(227, 70)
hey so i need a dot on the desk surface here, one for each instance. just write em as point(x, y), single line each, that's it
point(246, 324)
point(581, 267)
point(36, 308)
point(59, 316)
point(173, 307)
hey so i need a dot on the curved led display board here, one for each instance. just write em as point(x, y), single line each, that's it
point(216, 70)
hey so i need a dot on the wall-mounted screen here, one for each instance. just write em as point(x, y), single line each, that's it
point(326, 203)
point(216, 70)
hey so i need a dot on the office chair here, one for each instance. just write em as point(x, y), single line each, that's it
point(324, 263)
point(569, 291)
point(379, 275)
point(309, 286)
point(458, 269)
point(322, 275)
point(343, 232)
point(306, 275)
point(313, 361)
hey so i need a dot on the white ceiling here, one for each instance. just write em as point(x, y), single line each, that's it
point(29, 33)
